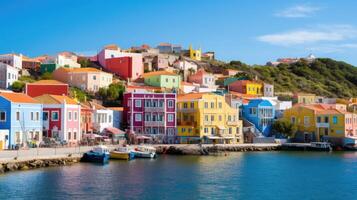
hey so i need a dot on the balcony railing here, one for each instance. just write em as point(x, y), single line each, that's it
point(154, 109)
point(154, 123)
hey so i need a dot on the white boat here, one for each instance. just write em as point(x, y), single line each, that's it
point(145, 152)
point(320, 146)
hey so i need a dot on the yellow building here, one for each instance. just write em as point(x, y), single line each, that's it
point(318, 122)
point(246, 87)
point(305, 98)
point(207, 118)
point(195, 54)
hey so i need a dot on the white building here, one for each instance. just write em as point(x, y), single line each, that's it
point(280, 106)
point(103, 117)
point(8, 75)
point(12, 60)
point(268, 90)
point(64, 59)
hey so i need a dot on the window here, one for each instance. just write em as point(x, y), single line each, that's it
point(138, 103)
point(183, 130)
point(110, 119)
point(170, 117)
point(184, 105)
point(220, 117)
point(75, 116)
point(237, 130)
point(2, 116)
point(138, 117)
point(173, 80)
point(54, 116)
point(45, 116)
point(212, 118)
point(212, 104)
point(170, 103)
point(206, 104)
point(293, 120)
point(253, 111)
point(70, 116)
point(206, 118)
point(32, 116)
point(192, 105)
point(318, 119)
point(94, 77)
point(206, 130)
point(220, 105)
point(17, 115)
point(334, 119)
point(37, 116)
point(69, 135)
point(75, 135)
point(326, 119)
point(306, 121)
point(230, 130)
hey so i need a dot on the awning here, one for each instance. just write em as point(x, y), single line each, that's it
point(143, 137)
point(114, 130)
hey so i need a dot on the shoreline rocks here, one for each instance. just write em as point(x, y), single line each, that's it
point(36, 163)
point(211, 149)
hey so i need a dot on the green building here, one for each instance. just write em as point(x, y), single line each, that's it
point(50, 67)
point(163, 79)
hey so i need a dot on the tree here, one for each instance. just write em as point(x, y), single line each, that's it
point(284, 127)
point(112, 95)
point(46, 76)
point(79, 94)
point(18, 86)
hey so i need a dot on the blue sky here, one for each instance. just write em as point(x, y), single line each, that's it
point(252, 31)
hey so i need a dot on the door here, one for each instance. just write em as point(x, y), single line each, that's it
point(1, 145)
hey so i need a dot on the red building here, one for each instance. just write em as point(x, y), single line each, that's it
point(46, 87)
point(121, 66)
point(86, 118)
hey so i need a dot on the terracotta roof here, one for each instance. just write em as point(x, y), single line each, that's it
point(80, 70)
point(157, 73)
point(191, 96)
point(94, 105)
point(18, 97)
point(47, 82)
point(247, 96)
point(245, 82)
point(56, 99)
point(116, 108)
point(321, 109)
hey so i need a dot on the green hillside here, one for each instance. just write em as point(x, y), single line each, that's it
point(324, 76)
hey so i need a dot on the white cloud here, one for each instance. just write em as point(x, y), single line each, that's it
point(298, 11)
point(333, 48)
point(330, 33)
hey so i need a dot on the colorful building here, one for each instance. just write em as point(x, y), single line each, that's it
point(117, 116)
point(63, 59)
point(13, 60)
point(87, 114)
point(207, 118)
point(61, 118)
point(42, 87)
point(305, 98)
point(261, 113)
point(8, 75)
point(163, 79)
point(151, 115)
point(268, 90)
point(102, 116)
point(22, 116)
point(89, 79)
point(246, 87)
point(322, 122)
point(203, 78)
point(195, 54)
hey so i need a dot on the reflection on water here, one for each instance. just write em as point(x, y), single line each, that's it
point(251, 175)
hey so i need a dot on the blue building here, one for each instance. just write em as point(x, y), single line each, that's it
point(22, 116)
point(261, 113)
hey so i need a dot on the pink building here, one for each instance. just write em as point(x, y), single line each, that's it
point(151, 116)
point(134, 67)
point(61, 118)
point(203, 78)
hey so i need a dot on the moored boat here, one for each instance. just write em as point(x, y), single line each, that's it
point(320, 146)
point(99, 154)
point(122, 153)
point(145, 152)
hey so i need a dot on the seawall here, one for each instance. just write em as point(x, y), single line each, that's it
point(16, 165)
point(212, 149)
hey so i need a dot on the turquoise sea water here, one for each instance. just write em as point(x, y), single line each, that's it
point(252, 175)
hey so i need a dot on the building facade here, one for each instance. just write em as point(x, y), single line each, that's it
point(12, 60)
point(261, 113)
point(195, 54)
point(246, 87)
point(22, 116)
point(61, 118)
point(42, 87)
point(163, 79)
point(8, 75)
point(207, 118)
point(89, 79)
point(152, 115)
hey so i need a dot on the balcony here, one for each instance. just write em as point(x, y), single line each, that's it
point(187, 110)
point(186, 123)
point(154, 109)
point(322, 125)
point(232, 123)
point(154, 123)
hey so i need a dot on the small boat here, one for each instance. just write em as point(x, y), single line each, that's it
point(320, 146)
point(122, 153)
point(99, 154)
point(145, 152)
